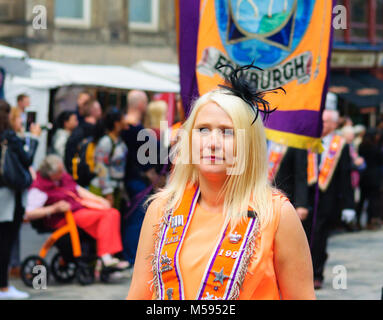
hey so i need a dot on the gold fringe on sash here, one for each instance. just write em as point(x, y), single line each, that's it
point(249, 252)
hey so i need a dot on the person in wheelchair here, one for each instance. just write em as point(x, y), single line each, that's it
point(54, 192)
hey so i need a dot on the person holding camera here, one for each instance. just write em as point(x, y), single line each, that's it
point(12, 192)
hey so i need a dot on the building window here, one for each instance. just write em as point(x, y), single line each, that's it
point(379, 20)
point(143, 14)
point(73, 13)
point(359, 20)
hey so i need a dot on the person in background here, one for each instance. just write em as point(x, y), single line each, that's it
point(359, 131)
point(334, 193)
point(140, 178)
point(66, 123)
point(12, 201)
point(54, 192)
point(288, 172)
point(23, 102)
point(155, 114)
point(88, 128)
point(16, 122)
point(344, 122)
point(370, 181)
point(82, 98)
point(358, 165)
point(110, 160)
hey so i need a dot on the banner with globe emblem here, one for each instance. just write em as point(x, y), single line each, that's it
point(289, 39)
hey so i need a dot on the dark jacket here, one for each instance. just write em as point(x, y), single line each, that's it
point(7, 195)
point(291, 177)
point(339, 194)
point(83, 131)
point(371, 176)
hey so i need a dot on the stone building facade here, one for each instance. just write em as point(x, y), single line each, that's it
point(115, 32)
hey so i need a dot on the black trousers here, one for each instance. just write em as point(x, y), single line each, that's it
point(372, 194)
point(8, 234)
point(317, 235)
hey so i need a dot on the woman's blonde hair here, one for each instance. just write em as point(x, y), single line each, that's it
point(248, 188)
point(155, 114)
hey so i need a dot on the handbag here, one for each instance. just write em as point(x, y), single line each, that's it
point(13, 174)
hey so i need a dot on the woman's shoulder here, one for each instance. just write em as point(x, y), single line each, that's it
point(156, 207)
point(9, 135)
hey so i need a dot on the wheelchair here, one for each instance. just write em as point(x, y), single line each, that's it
point(76, 257)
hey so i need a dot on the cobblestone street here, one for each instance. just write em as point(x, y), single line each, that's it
point(361, 253)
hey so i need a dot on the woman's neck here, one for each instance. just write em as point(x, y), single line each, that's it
point(210, 191)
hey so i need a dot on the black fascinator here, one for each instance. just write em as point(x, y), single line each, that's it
point(237, 84)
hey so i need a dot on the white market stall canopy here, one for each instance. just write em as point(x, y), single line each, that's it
point(49, 74)
point(167, 71)
point(14, 61)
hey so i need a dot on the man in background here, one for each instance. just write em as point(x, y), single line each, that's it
point(23, 102)
point(82, 98)
point(140, 179)
point(88, 128)
point(333, 193)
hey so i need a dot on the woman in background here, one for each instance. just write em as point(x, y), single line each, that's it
point(66, 122)
point(12, 201)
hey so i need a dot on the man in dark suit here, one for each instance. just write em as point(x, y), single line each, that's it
point(291, 178)
point(332, 194)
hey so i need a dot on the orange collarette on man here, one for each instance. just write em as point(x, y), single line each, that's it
point(235, 265)
point(328, 164)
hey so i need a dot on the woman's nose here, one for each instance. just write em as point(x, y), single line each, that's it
point(215, 139)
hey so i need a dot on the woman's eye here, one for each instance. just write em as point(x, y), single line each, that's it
point(228, 132)
point(204, 130)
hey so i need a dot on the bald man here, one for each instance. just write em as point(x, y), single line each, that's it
point(335, 193)
point(137, 105)
point(138, 177)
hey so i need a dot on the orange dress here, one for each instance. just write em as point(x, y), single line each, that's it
point(205, 228)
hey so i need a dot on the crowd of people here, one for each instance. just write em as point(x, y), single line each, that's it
point(93, 170)
point(332, 193)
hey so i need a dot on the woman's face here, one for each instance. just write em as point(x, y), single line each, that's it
point(57, 176)
point(213, 141)
point(72, 123)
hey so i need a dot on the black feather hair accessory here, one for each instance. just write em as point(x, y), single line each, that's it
point(237, 84)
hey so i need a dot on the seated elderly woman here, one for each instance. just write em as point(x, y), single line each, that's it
point(54, 192)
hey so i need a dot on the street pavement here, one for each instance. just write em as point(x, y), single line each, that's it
point(354, 271)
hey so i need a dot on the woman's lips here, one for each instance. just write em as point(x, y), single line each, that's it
point(213, 158)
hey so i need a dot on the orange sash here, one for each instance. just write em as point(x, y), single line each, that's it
point(227, 266)
point(276, 155)
point(312, 168)
point(328, 164)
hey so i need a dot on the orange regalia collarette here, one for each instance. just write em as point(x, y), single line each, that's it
point(276, 155)
point(328, 163)
point(228, 264)
point(312, 168)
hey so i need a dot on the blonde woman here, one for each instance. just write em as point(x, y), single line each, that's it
point(218, 230)
point(155, 114)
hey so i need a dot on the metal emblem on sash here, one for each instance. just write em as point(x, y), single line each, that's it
point(220, 277)
point(235, 238)
point(176, 221)
point(169, 293)
point(166, 263)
